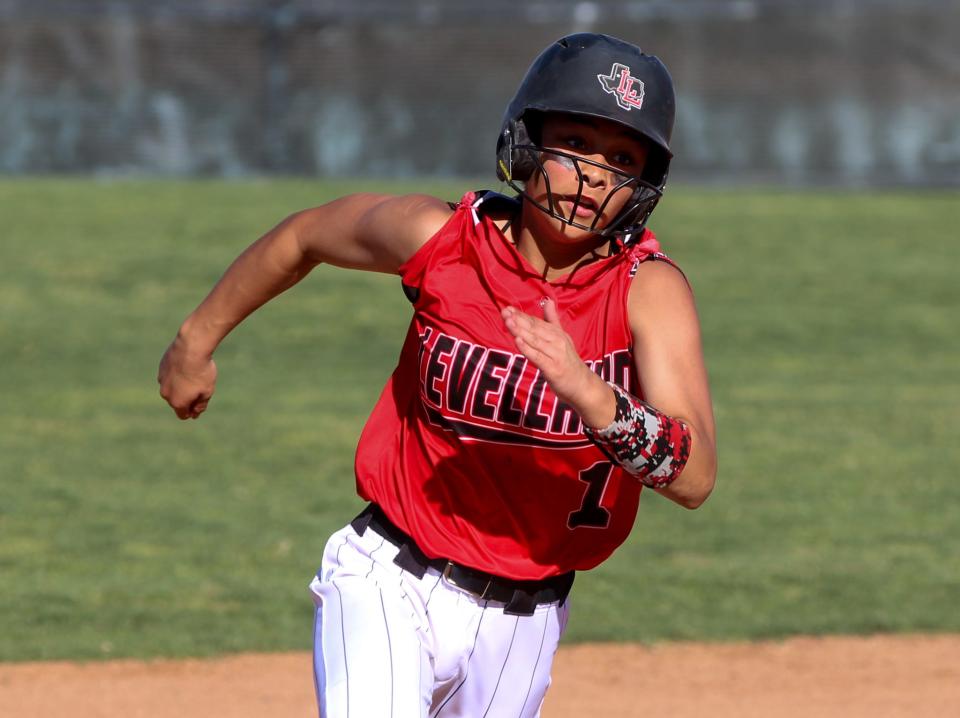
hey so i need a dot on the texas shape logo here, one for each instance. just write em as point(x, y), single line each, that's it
point(625, 87)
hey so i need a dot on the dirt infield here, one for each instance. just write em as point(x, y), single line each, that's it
point(876, 677)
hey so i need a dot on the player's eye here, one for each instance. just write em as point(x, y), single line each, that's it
point(575, 142)
point(624, 159)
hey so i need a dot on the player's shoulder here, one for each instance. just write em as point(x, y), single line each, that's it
point(405, 222)
point(499, 208)
point(657, 268)
point(432, 213)
point(418, 211)
point(658, 284)
point(493, 204)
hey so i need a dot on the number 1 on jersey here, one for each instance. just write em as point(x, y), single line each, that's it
point(591, 513)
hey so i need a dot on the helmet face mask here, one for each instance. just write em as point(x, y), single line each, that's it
point(601, 77)
point(643, 195)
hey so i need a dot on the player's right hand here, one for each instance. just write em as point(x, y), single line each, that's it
point(187, 379)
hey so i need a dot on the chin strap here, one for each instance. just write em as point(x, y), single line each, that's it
point(645, 442)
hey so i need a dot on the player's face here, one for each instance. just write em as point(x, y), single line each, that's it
point(606, 153)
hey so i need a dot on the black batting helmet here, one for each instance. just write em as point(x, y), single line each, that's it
point(598, 76)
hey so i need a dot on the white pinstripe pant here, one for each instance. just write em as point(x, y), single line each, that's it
point(390, 645)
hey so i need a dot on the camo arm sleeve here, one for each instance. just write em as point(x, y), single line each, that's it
point(646, 443)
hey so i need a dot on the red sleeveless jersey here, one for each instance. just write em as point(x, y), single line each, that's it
point(468, 450)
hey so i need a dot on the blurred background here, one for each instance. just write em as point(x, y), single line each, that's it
point(844, 92)
point(813, 204)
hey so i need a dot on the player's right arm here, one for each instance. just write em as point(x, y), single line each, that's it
point(372, 232)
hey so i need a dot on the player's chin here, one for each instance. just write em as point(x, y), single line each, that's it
point(580, 228)
point(563, 232)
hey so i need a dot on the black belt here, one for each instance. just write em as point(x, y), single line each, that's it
point(520, 597)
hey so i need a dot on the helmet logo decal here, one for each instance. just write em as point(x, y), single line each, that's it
point(627, 89)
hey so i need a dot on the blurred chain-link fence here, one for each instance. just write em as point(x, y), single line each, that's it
point(846, 92)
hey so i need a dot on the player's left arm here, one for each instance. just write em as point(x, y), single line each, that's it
point(668, 355)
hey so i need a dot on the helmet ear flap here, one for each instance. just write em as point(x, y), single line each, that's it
point(514, 165)
point(656, 167)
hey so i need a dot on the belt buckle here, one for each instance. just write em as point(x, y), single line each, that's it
point(449, 579)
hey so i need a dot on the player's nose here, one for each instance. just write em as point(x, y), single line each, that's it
point(594, 175)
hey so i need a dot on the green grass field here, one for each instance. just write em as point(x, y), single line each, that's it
point(831, 337)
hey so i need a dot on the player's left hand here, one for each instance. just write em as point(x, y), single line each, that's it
point(546, 344)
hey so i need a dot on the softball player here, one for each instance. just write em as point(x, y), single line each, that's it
point(552, 370)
